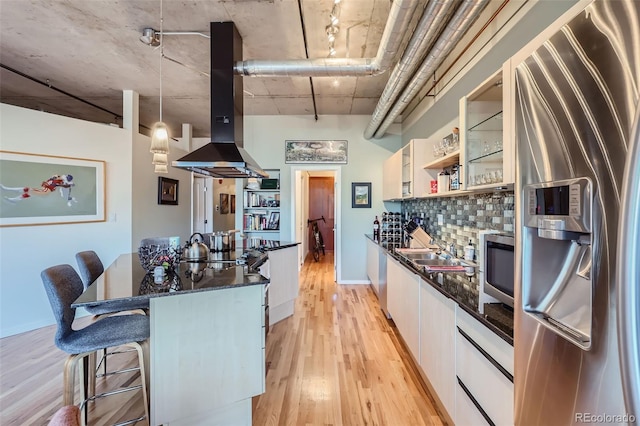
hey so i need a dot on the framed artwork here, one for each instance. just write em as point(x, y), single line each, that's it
point(232, 203)
point(361, 195)
point(274, 221)
point(224, 203)
point(47, 189)
point(167, 191)
point(330, 151)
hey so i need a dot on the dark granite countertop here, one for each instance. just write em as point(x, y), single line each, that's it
point(125, 279)
point(496, 316)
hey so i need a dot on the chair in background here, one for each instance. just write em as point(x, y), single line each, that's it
point(63, 285)
point(90, 267)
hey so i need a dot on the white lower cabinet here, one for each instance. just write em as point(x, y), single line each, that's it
point(376, 265)
point(469, 367)
point(438, 344)
point(484, 369)
point(403, 303)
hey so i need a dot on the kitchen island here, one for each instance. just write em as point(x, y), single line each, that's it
point(208, 330)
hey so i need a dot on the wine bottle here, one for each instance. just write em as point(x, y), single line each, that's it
point(376, 230)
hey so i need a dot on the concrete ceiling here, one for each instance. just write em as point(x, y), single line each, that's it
point(91, 50)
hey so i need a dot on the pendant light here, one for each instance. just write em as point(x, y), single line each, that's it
point(159, 132)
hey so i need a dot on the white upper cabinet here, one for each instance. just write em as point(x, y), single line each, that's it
point(487, 148)
point(392, 177)
point(403, 174)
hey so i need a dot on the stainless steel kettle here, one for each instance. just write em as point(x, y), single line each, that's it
point(195, 249)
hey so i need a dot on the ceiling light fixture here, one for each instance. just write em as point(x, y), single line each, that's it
point(332, 29)
point(160, 133)
point(159, 158)
point(151, 37)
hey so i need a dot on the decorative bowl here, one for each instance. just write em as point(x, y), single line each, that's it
point(155, 255)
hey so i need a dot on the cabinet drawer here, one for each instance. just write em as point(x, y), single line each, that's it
point(492, 344)
point(467, 413)
point(485, 379)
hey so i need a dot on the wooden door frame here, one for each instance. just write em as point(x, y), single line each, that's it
point(337, 241)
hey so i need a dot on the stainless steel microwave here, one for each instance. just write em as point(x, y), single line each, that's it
point(498, 266)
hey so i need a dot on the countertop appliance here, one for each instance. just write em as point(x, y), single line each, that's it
point(577, 121)
point(497, 263)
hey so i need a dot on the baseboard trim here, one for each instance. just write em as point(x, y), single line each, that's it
point(354, 282)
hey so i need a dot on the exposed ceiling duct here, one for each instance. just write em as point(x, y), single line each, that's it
point(464, 17)
point(399, 18)
point(435, 16)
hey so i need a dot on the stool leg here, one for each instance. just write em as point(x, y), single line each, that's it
point(143, 361)
point(92, 374)
point(84, 375)
point(69, 380)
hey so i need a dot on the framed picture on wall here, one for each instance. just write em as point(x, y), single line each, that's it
point(167, 191)
point(274, 221)
point(232, 203)
point(330, 151)
point(361, 195)
point(40, 189)
point(224, 203)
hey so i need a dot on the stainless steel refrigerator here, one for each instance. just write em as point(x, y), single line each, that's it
point(577, 121)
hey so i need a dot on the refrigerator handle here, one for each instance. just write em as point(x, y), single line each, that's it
point(628, 274)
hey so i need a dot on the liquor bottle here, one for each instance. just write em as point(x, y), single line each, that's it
point(455, 180)
point(376, 230)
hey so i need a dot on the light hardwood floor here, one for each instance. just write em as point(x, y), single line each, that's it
point(336, 361)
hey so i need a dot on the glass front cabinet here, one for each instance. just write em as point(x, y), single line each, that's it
point(487, 146)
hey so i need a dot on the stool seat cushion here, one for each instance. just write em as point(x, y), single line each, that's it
point(117, 306)
point(105, 333)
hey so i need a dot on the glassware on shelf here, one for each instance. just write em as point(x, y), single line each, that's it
point(438, 150)
point(486, 148)
point(446, 145)
point(497, 146)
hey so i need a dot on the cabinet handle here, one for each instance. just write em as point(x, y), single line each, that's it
point(484, 353)
point(476, 403)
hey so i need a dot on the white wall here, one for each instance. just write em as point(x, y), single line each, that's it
point(150, 218)
point(224, 222)
point(26, 250)
point(264, 139)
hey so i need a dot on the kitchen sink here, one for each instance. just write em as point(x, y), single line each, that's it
point(432, 261)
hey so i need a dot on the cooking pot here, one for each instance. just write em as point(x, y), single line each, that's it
point(195, 249)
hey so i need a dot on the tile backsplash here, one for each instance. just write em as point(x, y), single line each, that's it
point(461, 218)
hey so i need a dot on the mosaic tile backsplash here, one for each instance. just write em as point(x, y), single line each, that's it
point(462, 218)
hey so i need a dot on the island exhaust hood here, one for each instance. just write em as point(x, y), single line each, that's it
point(224, 156)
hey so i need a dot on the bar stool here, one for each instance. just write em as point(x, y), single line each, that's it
point(63, 286)
point(90, 267)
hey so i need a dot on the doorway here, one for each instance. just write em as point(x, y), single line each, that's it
point(325, 201)
point(321, 204)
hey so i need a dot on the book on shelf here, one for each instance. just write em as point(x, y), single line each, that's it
point(259, 221)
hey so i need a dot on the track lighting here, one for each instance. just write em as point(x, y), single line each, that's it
point(332, 29)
